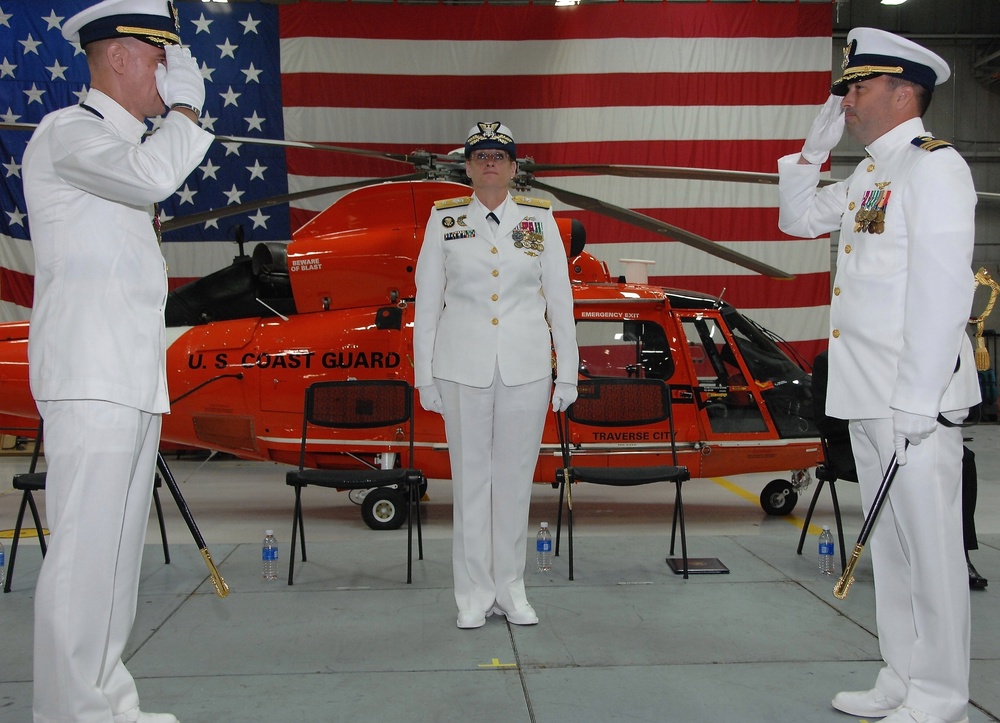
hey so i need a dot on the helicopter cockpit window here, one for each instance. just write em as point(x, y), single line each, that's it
point(785, 388)
point(618, 348)
point(724, 392)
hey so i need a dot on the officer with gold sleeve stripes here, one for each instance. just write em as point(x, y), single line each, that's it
point(492, 279)
point(899, 356)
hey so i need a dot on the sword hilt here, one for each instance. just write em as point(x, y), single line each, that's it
point(221, 588)
point(847, 579)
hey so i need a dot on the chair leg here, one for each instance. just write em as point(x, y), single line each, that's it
point(409, 532)
point(809, 514)
point(569, 528)
point(840, 527)
point(297, 525)
point(562, 486)
point(679, 516)
point(163, 529)
point(420, 529)
point(38, 523)
point(673, 527)
point(13, 544)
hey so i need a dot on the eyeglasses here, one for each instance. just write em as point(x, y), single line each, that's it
point(483, 156)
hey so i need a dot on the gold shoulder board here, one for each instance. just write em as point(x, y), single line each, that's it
point(453, 202)
point(929, 143)
point(528, 201)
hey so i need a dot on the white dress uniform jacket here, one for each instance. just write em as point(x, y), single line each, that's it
point(482, 301)
point(902, 297)
point(97, 327)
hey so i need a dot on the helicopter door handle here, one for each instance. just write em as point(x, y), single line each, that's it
point(684, 394)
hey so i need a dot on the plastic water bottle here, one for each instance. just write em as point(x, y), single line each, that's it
point(269, 556)
point(543, 548)
point(826, 551)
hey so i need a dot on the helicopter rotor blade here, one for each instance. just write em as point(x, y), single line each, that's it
point(662, 228)
point(417, 158)
point(205, 216)
point(669, 172)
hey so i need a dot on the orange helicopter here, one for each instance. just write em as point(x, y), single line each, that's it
point(337, 303)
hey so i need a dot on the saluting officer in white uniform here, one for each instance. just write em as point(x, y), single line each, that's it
point(97, 344)
point(492, 278)
point(900, 357)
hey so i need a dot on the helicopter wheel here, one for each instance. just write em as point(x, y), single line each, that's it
point(778, 498)
point(384, 509)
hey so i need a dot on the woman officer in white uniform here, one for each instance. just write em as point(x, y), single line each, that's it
point(492, 278)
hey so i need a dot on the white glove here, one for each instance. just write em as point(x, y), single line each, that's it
point(825, 132)
point(912, 427)
point(430, 399)
point(563, 396)
point(181, 80)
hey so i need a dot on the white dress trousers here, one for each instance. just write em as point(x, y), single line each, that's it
point(100, 460)
point(493, 437)
point(918, 559)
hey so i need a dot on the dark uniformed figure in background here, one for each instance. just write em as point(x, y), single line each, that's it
point(899, 357)
point(492, 278)
point(97, 343)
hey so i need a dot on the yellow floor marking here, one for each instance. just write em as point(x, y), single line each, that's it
point(25, 532)
point(754, 499)
point(497, 664)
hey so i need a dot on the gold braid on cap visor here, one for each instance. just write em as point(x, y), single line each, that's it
point(860, 70)
point(480, 137)
point(160, 36)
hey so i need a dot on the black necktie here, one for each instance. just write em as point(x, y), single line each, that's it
point(493, 217)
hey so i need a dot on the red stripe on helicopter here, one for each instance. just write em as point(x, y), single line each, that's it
point(312, 90)
point(534, 22)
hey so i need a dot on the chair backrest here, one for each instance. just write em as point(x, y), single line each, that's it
point(617, 402)
point(358, 404)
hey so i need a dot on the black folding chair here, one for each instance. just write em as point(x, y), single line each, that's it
point(615, 402)
point(838, 456)
point(360, 405)
point(30, 482)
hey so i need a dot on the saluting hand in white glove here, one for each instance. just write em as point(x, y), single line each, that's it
point(913, 427)
point(430, 399)
point(826, 131)
point(563, 396)
point(180, 81)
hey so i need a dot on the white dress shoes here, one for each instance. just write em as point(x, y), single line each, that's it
point(140, 716)
point(469, 620)
point(524, 615)
point(865, 703)
point(905, 714)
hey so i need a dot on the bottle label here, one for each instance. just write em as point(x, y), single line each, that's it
point(826, 548)
point(544, 546)
point(269, 553)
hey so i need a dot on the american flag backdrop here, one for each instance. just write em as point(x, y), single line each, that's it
point(729, 85)
point(237, 49)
